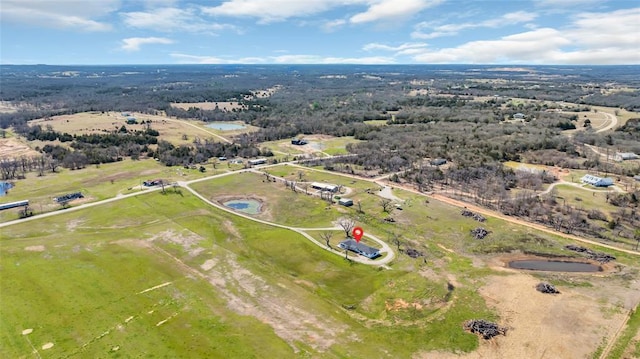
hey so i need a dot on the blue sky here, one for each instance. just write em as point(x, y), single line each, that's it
point(319, 31)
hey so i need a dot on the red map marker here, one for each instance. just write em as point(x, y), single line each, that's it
point(357, 233)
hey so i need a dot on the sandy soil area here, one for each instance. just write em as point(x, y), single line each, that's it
point(568, 325)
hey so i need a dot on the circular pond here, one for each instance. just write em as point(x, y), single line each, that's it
point(225, 126)
point(249, 206)
point(554, 266)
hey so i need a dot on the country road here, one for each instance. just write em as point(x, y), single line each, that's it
point(387, 254)
point(385, 247)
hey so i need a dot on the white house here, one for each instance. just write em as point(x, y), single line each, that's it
point(324, 186)
point(597, 181)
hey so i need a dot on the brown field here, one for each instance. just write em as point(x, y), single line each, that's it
point(172, 130)
point(13, 148)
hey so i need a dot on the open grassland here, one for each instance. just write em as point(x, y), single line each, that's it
point(95, 183)
point(318, 145)
point(163, 275)
point(585, 199)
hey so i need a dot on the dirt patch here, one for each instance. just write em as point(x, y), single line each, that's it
point(188, 241)
point(39, 248)
point(569, 325)
point(399, 304)
point(248, 294)
point(27, 331)
point(231, 228)
point(208, 264)
point(47, 346)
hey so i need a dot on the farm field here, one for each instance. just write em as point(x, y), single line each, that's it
point(190, 269)
point(166, 264)
point(171, 130)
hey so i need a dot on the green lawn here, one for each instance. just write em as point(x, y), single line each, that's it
point(78, 280)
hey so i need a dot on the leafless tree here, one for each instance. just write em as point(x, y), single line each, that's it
point(347, 225)
point(359, 203)
point(387, 205)
point(395, 239)
point(326, 236)
point(305, 187)
point(300, 175)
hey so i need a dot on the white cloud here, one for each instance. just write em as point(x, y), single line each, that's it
point(391, 9)
point(134, 43)
point(274, 10)
point(280, 10)
point(602, 38)
point(171, 20)
point(403, 49)
point(453, 29)
point(281, 59)
point(70, 14)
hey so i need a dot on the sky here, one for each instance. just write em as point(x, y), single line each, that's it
point(510, 32)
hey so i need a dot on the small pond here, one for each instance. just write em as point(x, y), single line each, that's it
point(4, 187)
point(249, 206)
point(225, 126)
point(554, 266)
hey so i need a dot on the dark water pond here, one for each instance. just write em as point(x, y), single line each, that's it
point(249, 206)
point(554, 266)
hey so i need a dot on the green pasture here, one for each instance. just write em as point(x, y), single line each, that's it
point(279, 203)
point(95, 182)
point(79, 279)
point(585, 199)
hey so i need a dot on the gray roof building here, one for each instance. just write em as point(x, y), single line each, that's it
point(359, 248)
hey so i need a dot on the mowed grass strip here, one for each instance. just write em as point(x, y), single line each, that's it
point(101, 258)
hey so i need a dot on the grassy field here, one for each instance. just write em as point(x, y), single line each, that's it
point(95, 183)
point(278, 203)
point(163, 275)
point(318, 145)
point(173, 130)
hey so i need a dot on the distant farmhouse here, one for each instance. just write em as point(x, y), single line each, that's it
point(625, 156)
point(257, 161)
point(298, 142)
point(359, 248)
point(324, 186)
point(597, 181)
